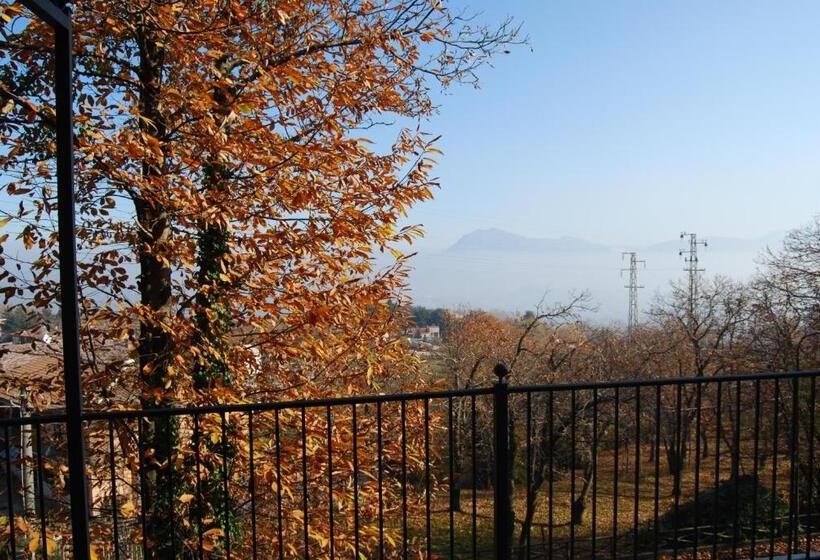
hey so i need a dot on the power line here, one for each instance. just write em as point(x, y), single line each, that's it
point(633, 288)
point(690, 257)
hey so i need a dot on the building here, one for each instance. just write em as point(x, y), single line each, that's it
point(430, 334)
point(31, 384)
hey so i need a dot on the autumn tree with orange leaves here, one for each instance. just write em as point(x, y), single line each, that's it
point(229, 202)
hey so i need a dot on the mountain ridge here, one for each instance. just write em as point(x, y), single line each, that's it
point(496, 239)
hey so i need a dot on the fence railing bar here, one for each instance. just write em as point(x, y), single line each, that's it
point(474, 467)
point(793, 457)
point(355, 436)
point(715, 508)
point(305, 513)
point(373, 399)
point(668, 381)
point(677, 443)
point(736, 471)
point(171, 488)
point(594, 528)
point(273, 406)
point(698, 437)
point(252, 483)
point(810, 490)
point(451, 450)
point(143, 483)
point(572, 475)
point(657, 453)
point(427, 488)
point(380, 476)
point(330, 506)
point(277, 434)
point(776, 421)
point(10, 494)
point(200, 534)
point(637, 490)
point(404, 532)
point(755, 459)
point(528, 420)
point(225, 489)
point(41, 488)
point(616, 468)
point(551, 482)
point(37, 420)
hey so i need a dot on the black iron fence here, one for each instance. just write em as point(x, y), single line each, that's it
point(694, 467)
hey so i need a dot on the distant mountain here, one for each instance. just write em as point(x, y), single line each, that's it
point(499, 270)
point(500, 240)
point(497, 240)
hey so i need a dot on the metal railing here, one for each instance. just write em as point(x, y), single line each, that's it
point(695, 467)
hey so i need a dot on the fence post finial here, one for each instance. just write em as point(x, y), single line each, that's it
point(501, 370)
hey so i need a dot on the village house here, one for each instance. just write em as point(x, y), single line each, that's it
point(430, 334)
point(31, 384)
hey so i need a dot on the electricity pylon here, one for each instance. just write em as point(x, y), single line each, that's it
point(690, 257)
point(633, 288)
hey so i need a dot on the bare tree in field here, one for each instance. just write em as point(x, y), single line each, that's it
point(710, 330)
point(539, 347)
point(708, 338)
point(473, 344)
point(553, 347)
point(797, 264)
point(786, 321)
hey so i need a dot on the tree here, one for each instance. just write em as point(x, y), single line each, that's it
point(785, 322)
point(708, 339)
point(19, 318)
point(787, 303)
point(424, 316)
point(538, 348)
point(471, 346)
point(228, 199)
point(545, 346)
point(710, 328)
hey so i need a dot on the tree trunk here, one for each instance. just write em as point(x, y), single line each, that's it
point(459, 483)
point(704, 445)
point(579, 506)
point(526, 523)
point(155, 346)
point(213, 319)
point(676, 459)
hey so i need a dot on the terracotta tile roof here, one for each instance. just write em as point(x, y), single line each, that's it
point(37, 368)
point(33, 367)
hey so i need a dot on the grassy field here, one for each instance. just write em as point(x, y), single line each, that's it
point(566, 539)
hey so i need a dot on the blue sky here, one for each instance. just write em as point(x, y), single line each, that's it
point(630, 121)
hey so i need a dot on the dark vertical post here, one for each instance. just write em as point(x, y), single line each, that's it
point(502, 518)
point(251, 485)
point(69, 292)
point(473, 437)
point(794, 519)
point(809, 492)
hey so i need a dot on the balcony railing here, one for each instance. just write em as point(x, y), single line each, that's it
point(691, 467)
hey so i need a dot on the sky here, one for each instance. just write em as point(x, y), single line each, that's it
point(627, 122)
point(623, 123)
